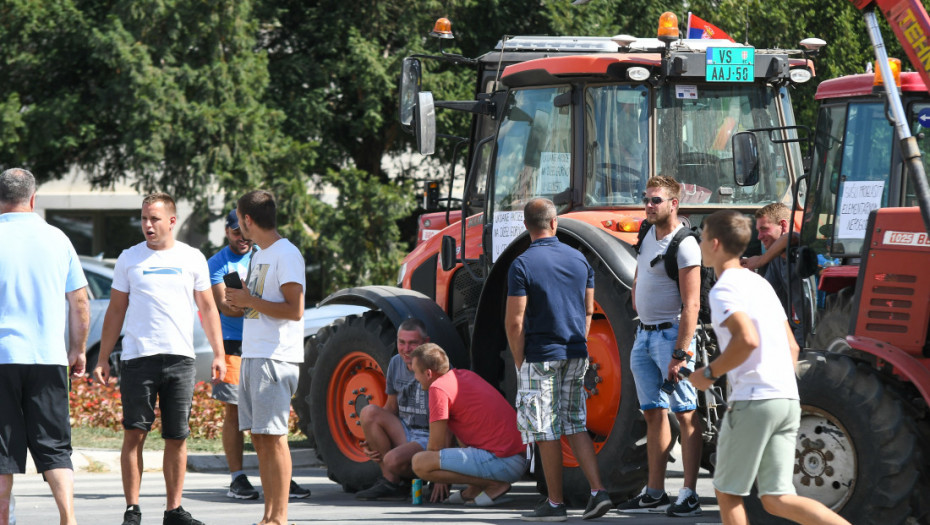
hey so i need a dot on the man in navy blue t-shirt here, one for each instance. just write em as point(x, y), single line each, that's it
point(550, 301)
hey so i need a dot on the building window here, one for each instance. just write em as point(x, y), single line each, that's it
point(93, 232)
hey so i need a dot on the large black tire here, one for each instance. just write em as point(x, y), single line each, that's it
point(622, 458)
point(301, 401)
point(856, 452)
point(833, 326)
point(371, 338)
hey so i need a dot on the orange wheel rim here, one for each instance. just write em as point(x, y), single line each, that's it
point(357, 381)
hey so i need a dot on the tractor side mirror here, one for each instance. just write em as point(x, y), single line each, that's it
point(409, 88)
point(425, 122)
point(447, 253)
point(745, 159)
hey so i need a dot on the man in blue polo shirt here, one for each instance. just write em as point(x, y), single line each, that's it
point(550, 301)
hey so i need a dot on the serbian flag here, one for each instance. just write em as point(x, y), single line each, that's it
point(698, 28)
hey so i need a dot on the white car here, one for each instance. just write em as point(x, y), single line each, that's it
point(99, 273)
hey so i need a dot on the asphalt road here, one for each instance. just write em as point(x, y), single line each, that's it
point(99, 499)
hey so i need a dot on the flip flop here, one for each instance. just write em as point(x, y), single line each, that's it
point(455, 498)
point(483, 500)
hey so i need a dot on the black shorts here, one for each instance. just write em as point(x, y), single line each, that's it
point(170, 378)
point(34, 413)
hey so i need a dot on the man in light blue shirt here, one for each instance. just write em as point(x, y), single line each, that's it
point(38, 269)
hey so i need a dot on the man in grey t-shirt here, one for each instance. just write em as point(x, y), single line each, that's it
point(664, 344)
point(399, 429)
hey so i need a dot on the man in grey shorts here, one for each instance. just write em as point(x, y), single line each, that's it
point(399, 429)
point(272, 345)
point(758, 437)
point(234, 258)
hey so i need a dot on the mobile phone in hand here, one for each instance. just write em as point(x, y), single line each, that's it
point(232, 280)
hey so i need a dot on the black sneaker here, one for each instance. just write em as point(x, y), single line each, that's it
point(240, 488)
point(546, 512)
point(384, 490)
point(689, 506)
point(133, 515)
point(179, 516)
point(298, 492)
point(598, 505)
point(644, 503)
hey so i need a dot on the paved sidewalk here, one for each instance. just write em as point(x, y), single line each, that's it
point(97, 460)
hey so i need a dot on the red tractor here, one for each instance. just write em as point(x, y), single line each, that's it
point(864, 444)
point(584, 121)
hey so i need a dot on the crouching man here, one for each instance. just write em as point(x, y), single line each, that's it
point(461, 402)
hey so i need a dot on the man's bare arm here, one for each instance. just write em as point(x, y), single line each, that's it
point(219, 297)
point(292, 308)
point(78, 326)
point(588, 310)
point(513, 324)
point(438, 435)
point(112, 326)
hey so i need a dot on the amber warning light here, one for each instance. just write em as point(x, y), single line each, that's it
point(668, 27)
point(442, 29)
point(895, 65)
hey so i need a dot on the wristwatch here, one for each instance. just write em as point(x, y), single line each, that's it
point(709, 374)
point(681, 354)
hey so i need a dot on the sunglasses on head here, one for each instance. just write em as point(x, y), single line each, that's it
point(655, 201)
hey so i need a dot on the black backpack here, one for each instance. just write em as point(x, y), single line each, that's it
point(670, 258)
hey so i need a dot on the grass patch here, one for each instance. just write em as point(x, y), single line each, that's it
point(88, 437)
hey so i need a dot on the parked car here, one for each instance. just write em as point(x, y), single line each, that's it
point(99, 273)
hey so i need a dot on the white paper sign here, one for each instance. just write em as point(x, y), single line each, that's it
point(858, 199)
point(554, 172)
point(686, 91)
point(507, 226)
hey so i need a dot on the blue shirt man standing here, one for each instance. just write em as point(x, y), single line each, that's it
point(550, 302)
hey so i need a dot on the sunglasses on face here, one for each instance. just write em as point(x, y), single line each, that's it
point(655, 201)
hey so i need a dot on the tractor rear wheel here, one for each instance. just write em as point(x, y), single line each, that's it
point(856, 453)
point(833, 326)
point(301, 401)
point(349, 375)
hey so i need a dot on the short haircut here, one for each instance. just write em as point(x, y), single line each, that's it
point(774, 212)
point(672, 187)
point(432, 357)
point(731, 228)
point(260, 207)
point(164, 198)
point(412, 324)
point(538, 213)
point(17, 186)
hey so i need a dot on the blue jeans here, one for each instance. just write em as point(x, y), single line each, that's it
point(649, 359)
point(479, 463)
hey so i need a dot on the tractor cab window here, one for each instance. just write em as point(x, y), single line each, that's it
point(694, 126)
point(533, 154)
point(616, 144)
point(817, 229)
point(920, 129)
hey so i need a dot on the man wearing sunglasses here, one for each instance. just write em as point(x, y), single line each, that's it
point(668, 313)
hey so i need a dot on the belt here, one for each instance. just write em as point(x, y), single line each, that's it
point(654, 327)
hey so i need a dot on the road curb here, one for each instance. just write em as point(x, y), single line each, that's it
point(108, 460)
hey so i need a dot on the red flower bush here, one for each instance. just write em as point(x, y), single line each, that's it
point(99, 406)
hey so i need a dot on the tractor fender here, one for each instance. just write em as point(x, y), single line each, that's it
point(904, 363)
point(489, 337)
point(400, 304)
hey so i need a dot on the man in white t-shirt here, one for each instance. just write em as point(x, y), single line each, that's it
point(757, 440)
point(668, 312)
point(272, 345)
point(156, 284)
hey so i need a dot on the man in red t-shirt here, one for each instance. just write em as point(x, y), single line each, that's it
point(464, 404)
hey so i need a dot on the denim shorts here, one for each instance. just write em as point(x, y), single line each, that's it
point(265, 391)
point(649, 359)
point(482, 464)
point(170, 379)
point(551, 399)
point(416, 435)
point(34, 414)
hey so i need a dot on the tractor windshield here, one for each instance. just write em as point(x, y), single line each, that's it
point(534, 148)
point(694, 126)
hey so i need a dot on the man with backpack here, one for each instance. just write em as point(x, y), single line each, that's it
point(668, 308)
